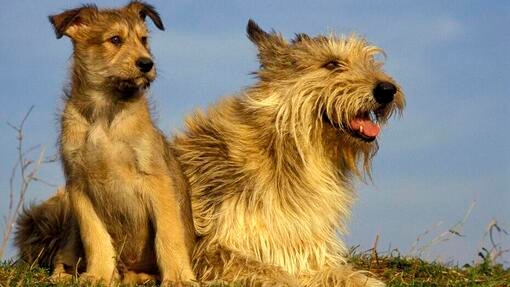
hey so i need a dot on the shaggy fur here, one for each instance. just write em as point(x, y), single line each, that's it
point(270, 168)
point(129, 199)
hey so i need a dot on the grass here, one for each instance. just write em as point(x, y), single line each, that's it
point(395, 270)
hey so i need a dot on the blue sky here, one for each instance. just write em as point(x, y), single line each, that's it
point(450, 148)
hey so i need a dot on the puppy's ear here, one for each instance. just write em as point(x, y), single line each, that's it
point(70, 21)
point(143, 10)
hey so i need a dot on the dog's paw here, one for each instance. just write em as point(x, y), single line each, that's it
point(60, 277)
point(360, 280)
point(133, 278)
point(107, 279)
point(168, 283)
point(372, 282)
point(59, 274)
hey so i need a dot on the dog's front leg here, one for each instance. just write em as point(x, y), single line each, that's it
point(68, 255)
point(97, 243)
point(172, 254)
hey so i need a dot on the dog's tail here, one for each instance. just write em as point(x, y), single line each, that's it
point(42, 230)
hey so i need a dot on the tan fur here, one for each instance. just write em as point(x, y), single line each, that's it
point(127, 193)
point(270, 168)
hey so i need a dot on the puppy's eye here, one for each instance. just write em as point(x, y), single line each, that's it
point(116, 40)
point(332, 65)
point(144, 40)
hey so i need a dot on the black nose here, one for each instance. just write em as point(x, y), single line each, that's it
point(384, 92)
point(144, 64)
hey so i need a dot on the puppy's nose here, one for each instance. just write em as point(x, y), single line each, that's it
point(144, 64)
point(384, 92)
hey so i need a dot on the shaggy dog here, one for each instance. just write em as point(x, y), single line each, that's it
point(270, 168)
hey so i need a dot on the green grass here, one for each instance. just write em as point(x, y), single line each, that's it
point(395, 270)
point(398, 270)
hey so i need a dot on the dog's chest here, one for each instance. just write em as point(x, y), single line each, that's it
point(113, 174)
point(107, 148)
point(296, 237)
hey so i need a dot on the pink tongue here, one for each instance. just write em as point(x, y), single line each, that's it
point(370, 129)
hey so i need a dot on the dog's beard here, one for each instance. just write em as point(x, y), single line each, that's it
point(129, 87)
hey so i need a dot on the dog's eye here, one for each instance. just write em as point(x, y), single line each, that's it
point(144, 40)
point(116, 40)
point(333, 65)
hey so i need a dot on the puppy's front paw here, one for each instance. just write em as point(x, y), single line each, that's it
point(60, 277)
point(133, 278)
point(110, 279)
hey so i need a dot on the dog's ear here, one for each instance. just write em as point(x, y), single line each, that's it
point(272, 47)
point(255, 33)
point(300, 37)
point(144, 10)
point(68, 22)
point(262, 38)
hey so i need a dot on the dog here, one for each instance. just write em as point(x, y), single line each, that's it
point(129, 203)
point(270, 169)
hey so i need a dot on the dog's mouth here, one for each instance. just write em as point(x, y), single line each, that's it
point(364, 126)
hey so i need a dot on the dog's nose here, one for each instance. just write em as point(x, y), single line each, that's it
point(144, 64)
point(384, 92)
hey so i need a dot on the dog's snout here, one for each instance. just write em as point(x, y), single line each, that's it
point(384, 92)
point(144, 64)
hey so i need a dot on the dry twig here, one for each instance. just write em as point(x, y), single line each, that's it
point(24, 172)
